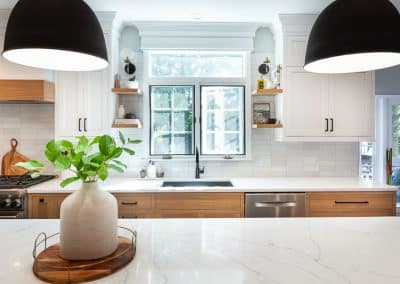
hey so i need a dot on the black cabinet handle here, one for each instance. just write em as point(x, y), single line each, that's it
point(41, 200)
point(84, 124)
point(129, 203)
point(79, 124)
point(351, 202)
point(331, 124)
point(327, 125)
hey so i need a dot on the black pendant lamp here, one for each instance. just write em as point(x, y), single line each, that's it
point(55, 34)
point(354, 36)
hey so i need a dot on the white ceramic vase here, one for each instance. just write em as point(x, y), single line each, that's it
point(89, 224)
point(133, 84)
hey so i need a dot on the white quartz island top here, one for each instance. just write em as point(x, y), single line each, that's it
point(284, 184)
point(245, 251)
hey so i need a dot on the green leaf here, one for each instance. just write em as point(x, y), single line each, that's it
point(62, 163)
point(68, 181)
point(116, 153)
point(35, 175)
point(66, 145)
point(95, 140)
point(129, 151)
point(83, 144)
point(102, 172)
point(52, 151)
point(96, 158)
point(115, 168)
point(120, 163)
point(106, 145)
point(31, 166)
point(137, 141)
point(121, 137)
point(76, 160)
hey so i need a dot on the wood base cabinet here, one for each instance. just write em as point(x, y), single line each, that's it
point(45, 206)
point(351, 204)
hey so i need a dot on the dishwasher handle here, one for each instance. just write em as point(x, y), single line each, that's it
point(274, 204)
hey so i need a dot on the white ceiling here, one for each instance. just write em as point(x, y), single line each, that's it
point(260, 11)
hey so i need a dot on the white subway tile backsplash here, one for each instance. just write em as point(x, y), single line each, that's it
point(31, 124)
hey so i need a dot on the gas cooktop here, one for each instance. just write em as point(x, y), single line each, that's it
point(25, 181)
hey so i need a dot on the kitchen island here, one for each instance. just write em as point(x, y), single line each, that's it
point(297, 250)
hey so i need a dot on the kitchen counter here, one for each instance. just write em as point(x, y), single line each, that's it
point(301, 251)
point(132, 185)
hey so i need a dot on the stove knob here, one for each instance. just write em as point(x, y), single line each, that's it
point(7, 202)
point(16, 203)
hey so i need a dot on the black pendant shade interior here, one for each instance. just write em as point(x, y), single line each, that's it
point(354, 36)
point(55, 34)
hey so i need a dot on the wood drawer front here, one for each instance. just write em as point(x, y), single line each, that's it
point(196, 214)
point(198, 201)
point(326, 204)
point(137, 202)
point(45, 206)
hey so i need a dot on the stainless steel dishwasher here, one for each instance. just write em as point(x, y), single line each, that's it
point(275, 205)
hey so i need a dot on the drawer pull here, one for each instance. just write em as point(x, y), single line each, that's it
point(351, 202)
point(41, 200)
point(275, 204)
point(129, 203)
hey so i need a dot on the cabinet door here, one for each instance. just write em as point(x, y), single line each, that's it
point(295, 50)
point(306, 101)
point(351, 105)
point(45, 206)
point(69, 104)
point(95, 114)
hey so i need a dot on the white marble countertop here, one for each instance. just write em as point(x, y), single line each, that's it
point(234, 251)
point(286, 184)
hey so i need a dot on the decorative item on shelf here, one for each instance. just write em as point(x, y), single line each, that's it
point(132, 83)
point(130, 115)
point(89, 216)
point(261, 113)
point(389, 166)
point(264, 81)
point(129, 67)
point(117, 81)
point(277, 76)
point(127, 123)
point(121, 112)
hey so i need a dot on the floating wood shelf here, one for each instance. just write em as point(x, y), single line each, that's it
point(267, 92)
point(278, 125)
point(119, 125)
point(126, 91)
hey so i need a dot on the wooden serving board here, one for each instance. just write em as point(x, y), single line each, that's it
point(9, 160)
point(50, 267)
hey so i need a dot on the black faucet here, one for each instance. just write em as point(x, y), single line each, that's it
point(198, 169)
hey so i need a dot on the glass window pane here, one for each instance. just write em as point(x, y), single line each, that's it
point(171, 120)
point(222, 123)
point(197, 64)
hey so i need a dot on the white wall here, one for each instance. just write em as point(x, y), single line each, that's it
point(269, 158)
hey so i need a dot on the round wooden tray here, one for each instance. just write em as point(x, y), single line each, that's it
point(50, 267)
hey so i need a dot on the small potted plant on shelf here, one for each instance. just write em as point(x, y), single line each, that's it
point(132, 83)
point(89, 216)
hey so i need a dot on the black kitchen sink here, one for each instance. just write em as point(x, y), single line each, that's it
point(200, 183)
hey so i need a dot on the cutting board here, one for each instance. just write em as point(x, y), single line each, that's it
point(9, 160)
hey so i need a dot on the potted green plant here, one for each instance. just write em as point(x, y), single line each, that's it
point(89, 216)
point(132, 83)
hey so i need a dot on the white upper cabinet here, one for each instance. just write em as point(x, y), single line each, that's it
point(83, 98)
point(318, 107)
point(351, 104)
point(306, 113)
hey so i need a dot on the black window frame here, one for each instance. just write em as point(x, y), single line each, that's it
point(193, 123)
